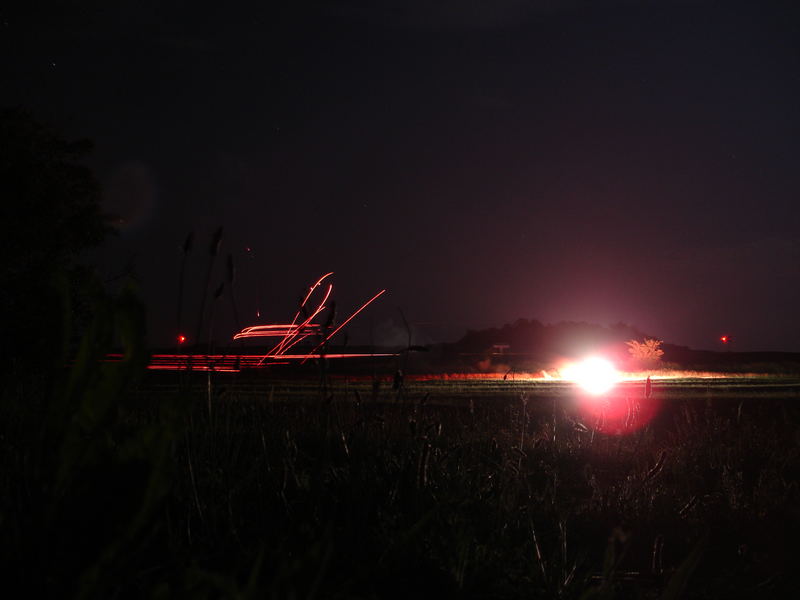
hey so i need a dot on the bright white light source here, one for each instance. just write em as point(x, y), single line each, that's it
point(595, 375)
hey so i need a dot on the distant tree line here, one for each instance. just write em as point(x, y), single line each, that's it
point(565, 338)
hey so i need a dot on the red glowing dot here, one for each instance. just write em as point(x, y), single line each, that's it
point(181, 339)
point(724, 339)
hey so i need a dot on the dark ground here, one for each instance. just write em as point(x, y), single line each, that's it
point(457, 489)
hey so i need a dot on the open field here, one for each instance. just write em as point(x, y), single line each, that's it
point(457, 387)
point(505, 488)
point(469, 488)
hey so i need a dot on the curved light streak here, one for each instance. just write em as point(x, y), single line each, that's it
point(293, 333)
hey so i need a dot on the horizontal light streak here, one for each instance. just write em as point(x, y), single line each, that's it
point(233, 363)
point(276, 330)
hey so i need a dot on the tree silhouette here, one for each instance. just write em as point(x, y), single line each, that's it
point(646, 353)
point(51, 213)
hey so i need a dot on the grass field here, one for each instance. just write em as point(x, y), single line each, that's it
point(245, 486)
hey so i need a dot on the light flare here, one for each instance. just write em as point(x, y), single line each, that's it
point(595, 375)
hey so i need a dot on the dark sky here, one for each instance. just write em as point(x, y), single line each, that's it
point(484, 161)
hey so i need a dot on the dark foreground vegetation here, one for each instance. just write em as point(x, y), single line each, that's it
point(112, 490)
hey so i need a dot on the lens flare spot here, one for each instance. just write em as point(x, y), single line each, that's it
point(595, 375)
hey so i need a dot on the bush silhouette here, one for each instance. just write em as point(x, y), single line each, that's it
point(646, 353)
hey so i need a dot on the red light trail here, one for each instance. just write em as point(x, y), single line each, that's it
point(350, 318)
point(229, 363)
point(308, 295)
point(290, 335)
point(284, 344)
point(293, 333)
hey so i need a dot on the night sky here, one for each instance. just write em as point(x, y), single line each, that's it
point(595, 161)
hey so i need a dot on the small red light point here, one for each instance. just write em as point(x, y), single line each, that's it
point(724, 339)
point(181, 339)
